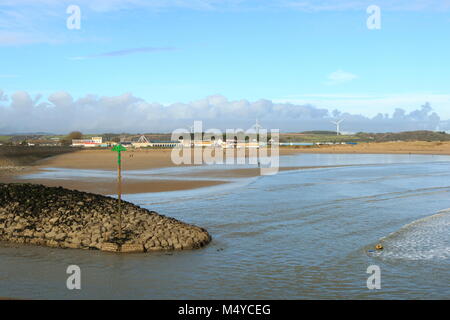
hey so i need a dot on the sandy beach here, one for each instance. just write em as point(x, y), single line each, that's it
point(402, 147)
point(131, 160)
point(161, 158)
point(139, 159)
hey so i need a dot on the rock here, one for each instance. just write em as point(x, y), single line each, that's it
point(64, 218)
point(132, 248)
point(111, 247)
point(19, 227)
point(53, 220)
point(52, 243)
point(149, 245)
point(60, 236)
point(76, 241)
point(71, 245)
point(28, 233)
point(157, 248)
point(50, 235)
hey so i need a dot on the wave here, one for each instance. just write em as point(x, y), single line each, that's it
point(424, 239)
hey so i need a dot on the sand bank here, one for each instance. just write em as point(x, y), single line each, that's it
point(129, 186)
point(131, 160)
point(413, 147)
point(161, 158)
point(251, 172)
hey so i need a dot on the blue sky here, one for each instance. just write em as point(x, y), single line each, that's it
point(303, 52)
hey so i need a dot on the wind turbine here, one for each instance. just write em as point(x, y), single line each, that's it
point(257, 126)
point(337, 123)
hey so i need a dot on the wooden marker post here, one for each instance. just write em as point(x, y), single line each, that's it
point(119, 148)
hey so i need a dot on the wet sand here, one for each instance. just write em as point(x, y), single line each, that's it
point(161, 158)
point(107, 160)
point(129, 186)
point(252, 172)
point(131, 160)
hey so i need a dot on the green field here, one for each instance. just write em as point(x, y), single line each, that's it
point(329, 136)
point(4, 139)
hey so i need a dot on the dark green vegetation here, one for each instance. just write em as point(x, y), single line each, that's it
point(329, 136)
point(314, 137)
point(405, 136)
point(25, 155)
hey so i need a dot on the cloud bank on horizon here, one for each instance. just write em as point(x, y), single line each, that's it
point(61, 113)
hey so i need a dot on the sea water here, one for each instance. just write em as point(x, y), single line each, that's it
point(300, 234)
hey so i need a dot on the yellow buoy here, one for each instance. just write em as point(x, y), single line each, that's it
point(379, 247)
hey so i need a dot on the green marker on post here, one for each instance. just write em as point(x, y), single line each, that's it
point(119, 148)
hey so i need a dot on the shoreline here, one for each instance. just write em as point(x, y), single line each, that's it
point(107, 160)
point(160, 158)
point(129, 186)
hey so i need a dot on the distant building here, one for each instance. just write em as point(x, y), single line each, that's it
point(305, 144)
point(43, 142)
point(165, 144)
point(142, 143)
point(88, 143)
point(203, 143)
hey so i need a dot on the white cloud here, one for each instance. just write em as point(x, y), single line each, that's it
point(61, 113)
point(124, 52)
point(361, 5)
point(372, 104)
point(340, 77)
point(3, 96)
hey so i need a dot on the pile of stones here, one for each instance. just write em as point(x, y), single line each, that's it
point(62, 218)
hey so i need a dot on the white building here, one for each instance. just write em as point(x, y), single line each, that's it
point(89, 143)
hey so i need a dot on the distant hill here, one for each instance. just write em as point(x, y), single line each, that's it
point(422, 135)
point(330, 136)
point(323, 132)
point(29, 134)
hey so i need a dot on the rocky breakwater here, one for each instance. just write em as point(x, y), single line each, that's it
point(63, 218)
